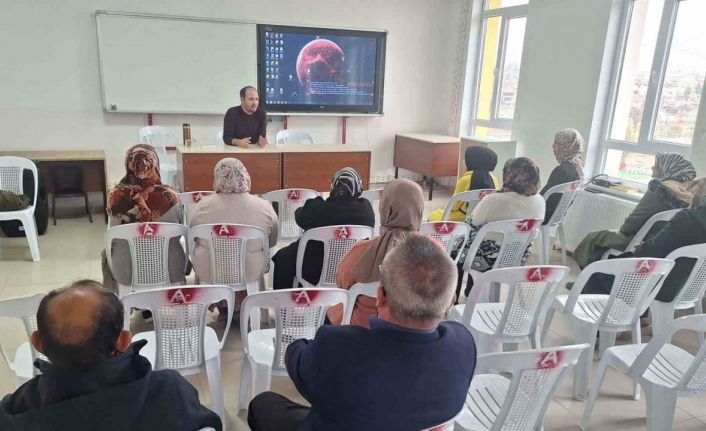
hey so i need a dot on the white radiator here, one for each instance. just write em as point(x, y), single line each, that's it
point(592, 212)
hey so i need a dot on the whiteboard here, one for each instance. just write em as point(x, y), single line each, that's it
point(167, 64)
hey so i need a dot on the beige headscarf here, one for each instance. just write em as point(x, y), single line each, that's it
point(401, 210)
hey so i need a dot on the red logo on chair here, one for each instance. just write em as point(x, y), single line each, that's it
point(148, 229)
point(646, 266)
point(181, 296)
point(549, 360)
point(444, 228)
point(304, 297)
point(538, 274)
point(294, 195)
point(198, 196)
point(574, 185)
point(525, 225)
point(485, 193)
point(224, 230)
point(343, 232)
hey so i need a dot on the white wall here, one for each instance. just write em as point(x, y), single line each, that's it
point(561, 67)
point(50, 86)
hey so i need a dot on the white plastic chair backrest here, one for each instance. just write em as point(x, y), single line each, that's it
point(189, 199)
point(11, 174)
point(639, 237)
point(451, 234)
point(374, 196)
point(568, 193)
point(298, 314)
point(337, 240)
point(695, 286)
point(693, 379)
point(160, 138)
point(635, 284)
point(23, 308)
point(180, 321)
point(517, 236)
point(218, 137)
point(366, 289)
point(149, 250)
point(529, 288)
point(288, 201)
point(472, 197)
point(288, 136)
point(227, 248)
point(536, 375)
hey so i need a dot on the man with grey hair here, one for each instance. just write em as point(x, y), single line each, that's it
point(409, 371)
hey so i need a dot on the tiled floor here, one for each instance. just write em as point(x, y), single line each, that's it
point(71, 250)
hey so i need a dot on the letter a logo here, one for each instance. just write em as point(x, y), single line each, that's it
point(536, 275)
point(644, 267)
point(293, 195)
point(549, 360)
point(148, 229)
point(301, 298)
point(178, 297)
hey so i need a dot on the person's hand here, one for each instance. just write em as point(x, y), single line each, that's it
point(243, 143)
point(262, 141)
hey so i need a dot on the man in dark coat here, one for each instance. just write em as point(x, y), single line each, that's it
point(96, 379)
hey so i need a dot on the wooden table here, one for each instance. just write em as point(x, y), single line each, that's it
point(427, 154)
point(92, 163)
point(272, 168)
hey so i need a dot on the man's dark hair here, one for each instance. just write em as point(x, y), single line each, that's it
point(245, 89)
point(101, 333)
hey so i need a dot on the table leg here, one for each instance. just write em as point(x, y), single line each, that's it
point(431, 187)
point(104, 187)
point(397, 172)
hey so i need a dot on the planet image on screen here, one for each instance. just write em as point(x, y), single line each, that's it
point(320, 60)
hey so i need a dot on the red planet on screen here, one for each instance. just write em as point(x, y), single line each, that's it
point(320, 60)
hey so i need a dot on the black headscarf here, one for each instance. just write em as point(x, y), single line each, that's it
point(481, 161)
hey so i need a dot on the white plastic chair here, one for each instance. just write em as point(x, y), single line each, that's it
point(663, 370)
point(298, 314)
point(472, 197)
point(337, 240)
point(227, 247)
point(495, 402)
point(24, 308)
point(218, 137)
point(288, 201)
point(160, 138)
point(374, 196)
point(189, 199)
point(181, 340)
point(358, 289)
point(11, 174)
point(636, 283)
point(517, 319)
point(690, 295)
point(568, 193)
point(149, 252)
point(453, 235)
point(288, 136)
point(639, 237)
point(517, 236)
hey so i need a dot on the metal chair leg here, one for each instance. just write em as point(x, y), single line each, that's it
point(53, 207)
point(88, 209)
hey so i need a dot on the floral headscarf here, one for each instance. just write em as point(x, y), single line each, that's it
point(521, 175)
point(568, 147)
point(231, 176)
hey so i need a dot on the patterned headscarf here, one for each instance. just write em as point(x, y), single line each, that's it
point(346, 182)
point(673, 166)
point(521, 175)
point(140, 195)
point(698, 191)
point(230, 176)
point(568, 147)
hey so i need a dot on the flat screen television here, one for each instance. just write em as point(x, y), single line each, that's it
point(305, 69)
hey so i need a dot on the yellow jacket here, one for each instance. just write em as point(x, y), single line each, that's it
point(458, 212)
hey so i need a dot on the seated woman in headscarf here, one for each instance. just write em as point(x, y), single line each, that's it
point(518, 199)
point(401, 209)
point(668, 190)
point(480, 161)
point(233, 203)
point(687, 227)
point(568, 150)
point(344, 206)
point(141, 197)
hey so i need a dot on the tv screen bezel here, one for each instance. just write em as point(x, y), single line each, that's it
point(375, 109)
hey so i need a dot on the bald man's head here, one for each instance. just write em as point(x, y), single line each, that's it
point(79, 325)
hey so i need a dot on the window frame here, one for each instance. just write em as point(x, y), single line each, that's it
point(646, 143)
point(507, 14)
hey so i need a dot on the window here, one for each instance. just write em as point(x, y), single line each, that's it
point(659, 78)
point(499, 59)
